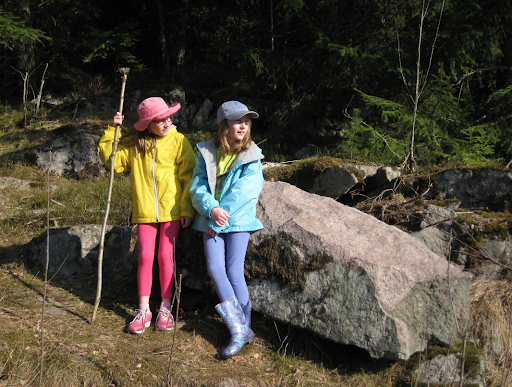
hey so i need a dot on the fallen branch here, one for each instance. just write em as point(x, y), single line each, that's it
point(41, 362)
point(124, 71)
point(169, 376)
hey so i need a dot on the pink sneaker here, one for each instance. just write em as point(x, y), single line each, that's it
point(164, 320)
point(140, 322)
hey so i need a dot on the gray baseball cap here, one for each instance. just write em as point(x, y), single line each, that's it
point(233, 110)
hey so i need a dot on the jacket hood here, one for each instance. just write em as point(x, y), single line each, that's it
point(209, 152)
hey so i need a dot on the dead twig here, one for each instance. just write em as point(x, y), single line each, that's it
point(169, 374)
point(130, 374)
point(124, 71)
point(175, 285)
point(41, 90)
point(56, 202)
point(10, 312)
point(37, 220)
point(41, 363)
point(60, 267)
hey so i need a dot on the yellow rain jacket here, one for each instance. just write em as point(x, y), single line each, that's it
point(160, 179)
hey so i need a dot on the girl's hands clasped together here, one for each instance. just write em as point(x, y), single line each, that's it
point(220, 217)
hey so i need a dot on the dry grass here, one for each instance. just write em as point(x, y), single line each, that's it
point(491, 304)
point(78, 353)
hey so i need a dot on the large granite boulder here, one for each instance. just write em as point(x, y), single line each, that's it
point(351, 278)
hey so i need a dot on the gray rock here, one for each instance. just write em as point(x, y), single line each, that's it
point(381, 178)
point(180, 118)
point(191, 110)
point(70, 158)
point(132, 101)
point(486, 189)
point(69, 151)
point(337, 181)
point(74, 251)
point(229, 382)
point(439, 232)
point(203, 113)
point(446, 237)
point(13, 183)
point(334, 182)
point(350, 278)
point(496, 251)
point(106, 105)
point(307, 152)
point(55, 101)
point(446, 370)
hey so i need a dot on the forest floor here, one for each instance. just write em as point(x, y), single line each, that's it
point(80, 353)
point(64, 348)
point(68, 350)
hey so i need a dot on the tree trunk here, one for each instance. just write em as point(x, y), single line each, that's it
point(182, 33)
point(507, 60)
point(26, 50)
point(162, 37)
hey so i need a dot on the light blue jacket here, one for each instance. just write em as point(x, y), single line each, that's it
point(240, 192)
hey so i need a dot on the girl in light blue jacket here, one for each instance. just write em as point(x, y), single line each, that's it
point(225, 187)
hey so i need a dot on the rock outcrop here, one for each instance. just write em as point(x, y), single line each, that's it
point(351, 278)
point(485, 189)
point(69, 151)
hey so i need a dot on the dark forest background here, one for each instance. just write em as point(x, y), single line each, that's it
point(411, 83)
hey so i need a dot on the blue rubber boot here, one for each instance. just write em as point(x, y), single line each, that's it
point(247, 313)
point(234, 318)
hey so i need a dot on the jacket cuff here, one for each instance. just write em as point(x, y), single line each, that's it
point(210, 205)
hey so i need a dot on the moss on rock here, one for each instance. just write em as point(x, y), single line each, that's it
point(471, 363)
point(282, 257)
point(302, 173)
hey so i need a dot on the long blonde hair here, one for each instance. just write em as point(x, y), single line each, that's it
point(221, 139)
point(139, 140)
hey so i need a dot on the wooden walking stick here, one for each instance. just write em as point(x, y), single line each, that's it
point(124, 71)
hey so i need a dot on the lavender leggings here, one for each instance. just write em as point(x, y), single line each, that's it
point(147, 242)
point(225, 258)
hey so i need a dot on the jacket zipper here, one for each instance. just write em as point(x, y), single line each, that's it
point(228, 176)
point(157, 215)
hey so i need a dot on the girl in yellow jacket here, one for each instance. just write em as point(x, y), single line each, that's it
point(161, 162)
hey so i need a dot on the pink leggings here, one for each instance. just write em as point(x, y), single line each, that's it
point(147, 240)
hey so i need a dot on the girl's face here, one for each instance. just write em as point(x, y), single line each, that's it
point(237, 129)
point(161, 127)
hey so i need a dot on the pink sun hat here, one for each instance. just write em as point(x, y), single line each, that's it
point(153, 108)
